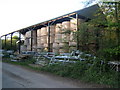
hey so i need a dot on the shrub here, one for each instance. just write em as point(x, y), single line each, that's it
point(112, 53)
point(89, 70)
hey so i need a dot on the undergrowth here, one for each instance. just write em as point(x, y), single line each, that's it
point(96, 73)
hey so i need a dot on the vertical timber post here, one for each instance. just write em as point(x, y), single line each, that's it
point(31, 40)
point(19, 42)
point(49, 38)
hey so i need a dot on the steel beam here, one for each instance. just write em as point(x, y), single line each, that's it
point(19, 44)
point(78, 47)
point(49, 38)
point(11, 41)
point(31, 40)
point(5, 40)
point(36, 41)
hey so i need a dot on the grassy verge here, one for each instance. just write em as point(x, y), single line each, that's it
point(81, 71)
point(24, 64)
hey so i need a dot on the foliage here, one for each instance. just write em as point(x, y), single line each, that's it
point(72, 70)
point(8, 44)
point(15, 37)
point(95, 72)
point(101, 32)
point(112, 53)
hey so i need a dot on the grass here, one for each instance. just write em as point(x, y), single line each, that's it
point(24, 64)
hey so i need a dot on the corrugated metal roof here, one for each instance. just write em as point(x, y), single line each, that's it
point(89, 12)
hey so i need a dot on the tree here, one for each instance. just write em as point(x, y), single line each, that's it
point(15, 37)
point(103, 32)
point(8, 43)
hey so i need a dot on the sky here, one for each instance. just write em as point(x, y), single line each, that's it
point(18, 14)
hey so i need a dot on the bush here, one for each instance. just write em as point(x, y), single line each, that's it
point(112, 53)
point(96, 72)
point(74, 70)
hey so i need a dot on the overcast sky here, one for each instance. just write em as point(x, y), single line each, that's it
point(18, 14)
